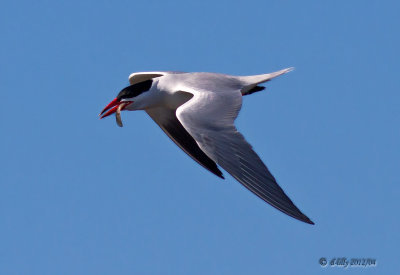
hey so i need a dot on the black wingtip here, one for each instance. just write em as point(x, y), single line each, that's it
point(298, 215)
point(217, 172)
point(213, 168)
point(301, 217)
point(309, 221)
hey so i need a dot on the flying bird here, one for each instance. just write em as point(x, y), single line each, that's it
point(197, 111)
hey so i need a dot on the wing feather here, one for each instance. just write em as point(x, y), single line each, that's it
point(143, 76)
point(166, 119)
point(209, 119)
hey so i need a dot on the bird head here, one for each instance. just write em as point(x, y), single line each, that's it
point(129, 98)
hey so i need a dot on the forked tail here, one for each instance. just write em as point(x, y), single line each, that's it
point(250, 83)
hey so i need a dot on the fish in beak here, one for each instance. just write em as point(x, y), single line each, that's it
point(115, 106)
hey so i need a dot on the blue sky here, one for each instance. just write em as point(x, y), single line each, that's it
point(79, 195)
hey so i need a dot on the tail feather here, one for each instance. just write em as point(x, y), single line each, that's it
point(250, 82)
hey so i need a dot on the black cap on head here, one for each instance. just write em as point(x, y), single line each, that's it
point(135, 89)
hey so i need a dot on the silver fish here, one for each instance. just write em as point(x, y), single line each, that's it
point(118, 115)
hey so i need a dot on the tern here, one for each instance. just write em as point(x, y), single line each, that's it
point(197, 111)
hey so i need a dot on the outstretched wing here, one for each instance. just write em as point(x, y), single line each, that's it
point(209, 119)
point(166, 119)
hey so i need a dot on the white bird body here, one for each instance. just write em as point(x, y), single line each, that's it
point(197, 111)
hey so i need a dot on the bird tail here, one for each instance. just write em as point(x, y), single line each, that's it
point(250, 83)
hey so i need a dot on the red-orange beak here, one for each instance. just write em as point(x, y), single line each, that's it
point(113, 106)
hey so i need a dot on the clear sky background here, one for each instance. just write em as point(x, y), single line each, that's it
point(79, 195)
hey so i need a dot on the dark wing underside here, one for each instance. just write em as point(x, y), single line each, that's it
point(166, 119)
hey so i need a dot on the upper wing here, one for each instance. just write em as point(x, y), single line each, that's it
point(166, 119)
point(209, 118)
point(143, 76)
